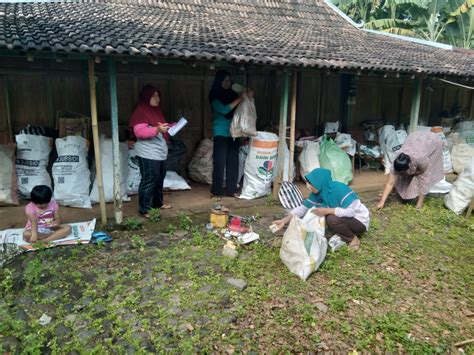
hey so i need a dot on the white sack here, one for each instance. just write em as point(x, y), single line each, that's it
point(108, 171)
point(309, 157)
point(286, 167)
point(71, 172)
point(393, 142)
point(175, 182)
point(8, 180)
point(462, 190)
point(304, 246)
point(200, 167)
point(244, 121)
point(345, 142)
point(31, 162)
point(331, 127)
point(460, 156)
point(441, 187)
point(133, 176)
point(260, 166)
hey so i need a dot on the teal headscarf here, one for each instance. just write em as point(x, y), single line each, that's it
point(330, 193)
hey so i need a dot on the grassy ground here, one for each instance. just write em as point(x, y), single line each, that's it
point(162, 287)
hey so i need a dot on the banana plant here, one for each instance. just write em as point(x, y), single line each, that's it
point(460, 25)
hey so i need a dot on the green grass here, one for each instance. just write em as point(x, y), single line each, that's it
point(407, 290)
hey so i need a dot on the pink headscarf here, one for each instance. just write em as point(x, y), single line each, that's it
point(145, 113)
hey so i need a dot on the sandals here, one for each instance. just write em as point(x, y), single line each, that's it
point(354, 244)
point(165, 207)
point(100, 237)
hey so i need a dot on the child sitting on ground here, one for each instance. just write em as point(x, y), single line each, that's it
point(44, 221)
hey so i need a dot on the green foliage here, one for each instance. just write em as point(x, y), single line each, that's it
point(138, 242)
point(433, 20)
point(132, 223)
point(32, 272)
point(6, 284)
point(171, 228)
point(397, 295)
point(185, 222)
point(155, 215)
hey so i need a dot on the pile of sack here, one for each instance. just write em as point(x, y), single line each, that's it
point(70, 173)
point(328, 153)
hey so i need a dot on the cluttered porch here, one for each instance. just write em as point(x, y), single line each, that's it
point(368, 183)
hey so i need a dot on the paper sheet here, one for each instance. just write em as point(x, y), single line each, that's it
point(178, 126)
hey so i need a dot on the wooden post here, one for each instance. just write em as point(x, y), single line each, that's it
point(115, 140)
point(282, 134)
point(95, 136)
point(292, 124)
point(415, 105)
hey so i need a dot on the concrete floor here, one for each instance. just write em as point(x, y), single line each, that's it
point(368, 184)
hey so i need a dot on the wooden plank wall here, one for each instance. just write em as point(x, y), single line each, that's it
point(38, 90)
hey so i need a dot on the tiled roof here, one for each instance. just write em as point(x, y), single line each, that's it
point(276, 32)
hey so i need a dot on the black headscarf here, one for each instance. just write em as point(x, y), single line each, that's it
point(224, 96)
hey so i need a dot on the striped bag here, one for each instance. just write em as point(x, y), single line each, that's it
point(290, 196)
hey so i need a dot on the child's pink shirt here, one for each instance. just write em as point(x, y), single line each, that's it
point(44, 217)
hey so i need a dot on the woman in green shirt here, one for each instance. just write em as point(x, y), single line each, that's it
point(223, 101)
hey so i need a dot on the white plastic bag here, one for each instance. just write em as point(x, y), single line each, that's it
point(393, 142)
point(260, 166)
point(345, 142)
point(244, 121)
point(304, 246)
point(460, 156)
point(8, 181)
point(336, 243)
point(108, 171)
point(175, 182)
point(441, 187)
point(133, 176)
point(286, 167)
point(71, 172)
point(31, 162)
point(462, 190)
point(200, 167)
point(309, 157)
point(447, 163)
point(331, 127)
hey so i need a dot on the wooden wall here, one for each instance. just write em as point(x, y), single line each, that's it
point(38, 90)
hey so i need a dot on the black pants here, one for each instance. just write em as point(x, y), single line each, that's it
point(150, 190)
point(225, 156)
point(345, 227)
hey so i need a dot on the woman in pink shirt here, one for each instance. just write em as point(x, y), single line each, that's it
point(149, 126)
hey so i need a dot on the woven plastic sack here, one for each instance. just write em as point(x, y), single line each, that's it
point(31, 162)
point(260, 167)
point(460, 156)
point(309, 157)
point(200, 167)
point(244, 121)
point(71, 172)
point(394, 141)
point(107, 159)
point(304, 246)
point(462, 190)
point(8, 181)
point(336, 160)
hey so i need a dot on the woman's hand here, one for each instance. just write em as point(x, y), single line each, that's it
point(379, 205)
point(279, 223)
point(249, 93)
point(163, 127)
